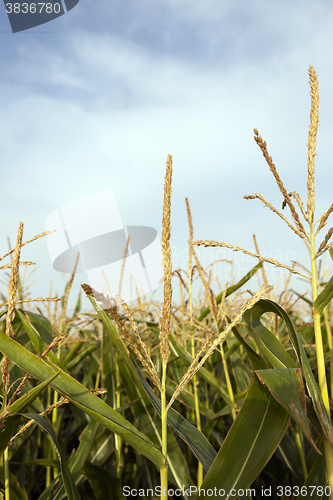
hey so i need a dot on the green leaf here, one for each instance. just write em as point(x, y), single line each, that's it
point(103, 483)
point(110, 328)
point(251, 441)
point(101, 448)
point(268, 344)
point(324, 297)
point(72, 352)
point(16, 493)
point(42, 325)
point(81, 397)
point(232, 289)
point(109, 369)
point(44, 462)
point(288, 452)
point(252, 318)
point(7, 429)
point(27, 398)
point(78, 305)
point(145, 416)
point(71, 490)
point(196, 440)
point(227, 410)
point(198, 443)
point(187, 398)
point(203, 372)
point(83, 354)
point(36, 334)
point(80, 455)
point(287, 387)
point(256, 361)
point(303, 298)
point(316, 480)
point(241, 371)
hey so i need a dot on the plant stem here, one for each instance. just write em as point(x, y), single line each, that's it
point(229, 386)
point(49, 450)
point(164, 468)
point(317, 327)
point(301, 452)
point(330, 345)
point(54, 424)
point(320, 357)
point(197, 411)
point(118, 404)
point(198, 423)
point(6, 464)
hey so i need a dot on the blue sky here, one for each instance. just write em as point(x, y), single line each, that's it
point(99, 97)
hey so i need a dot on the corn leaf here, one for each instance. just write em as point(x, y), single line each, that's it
point(232, 289)
point(82, 355)
point(256, 361)
point(268, 344)
point(71, 489)
point(203, 372)
point(27, 398)
point(198, 443)
point(8, 426)
point(252, 318)
point(190, 434)
point(38, 334)
point(78, 458)
point(81, 397)
point(316, 481)
point(11, 415)
point(104, 485)
point(242, 374)
point(145, 415)
point(16, 493)
point(187, 398)
point(303, 298)
point(288, 389)
point(324, 297)
point(134, 389)
point(251, 441)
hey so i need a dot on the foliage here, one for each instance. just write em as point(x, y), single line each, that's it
point(226, 394)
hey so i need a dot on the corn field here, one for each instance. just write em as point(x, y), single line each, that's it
point(224, 396)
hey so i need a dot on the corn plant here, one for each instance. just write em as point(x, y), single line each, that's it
point(280, 380)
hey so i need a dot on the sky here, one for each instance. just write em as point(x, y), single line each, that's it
point(99, 97)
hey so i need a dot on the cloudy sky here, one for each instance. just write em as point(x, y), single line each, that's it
point(99, 97)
